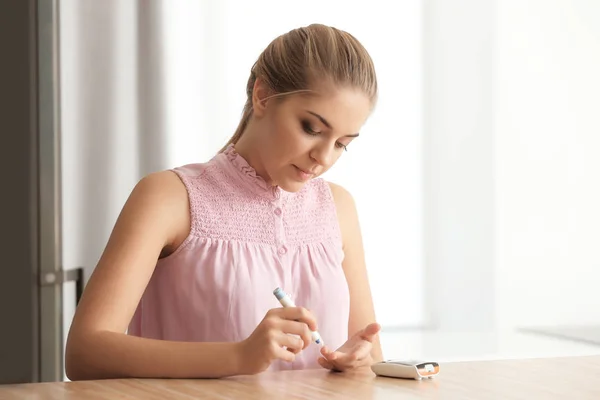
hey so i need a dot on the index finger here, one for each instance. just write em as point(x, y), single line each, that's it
point(370, 331)
point(300, 314)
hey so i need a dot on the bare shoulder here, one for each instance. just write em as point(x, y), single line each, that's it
point(164, 184)
point(163, 196)
point(347, 215)
point(344, 201)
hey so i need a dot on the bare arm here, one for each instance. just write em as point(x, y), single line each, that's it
point(362, 312)
point(155, 218)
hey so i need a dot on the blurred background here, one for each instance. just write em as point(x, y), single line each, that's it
point(476, 178)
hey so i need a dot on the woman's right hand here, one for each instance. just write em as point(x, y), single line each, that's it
point(272, 339)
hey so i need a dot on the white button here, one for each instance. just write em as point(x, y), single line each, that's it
point(278, 211)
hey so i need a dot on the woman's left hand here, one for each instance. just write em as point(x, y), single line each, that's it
point(356, 352)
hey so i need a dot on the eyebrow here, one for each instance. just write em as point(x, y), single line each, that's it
point(327, 124)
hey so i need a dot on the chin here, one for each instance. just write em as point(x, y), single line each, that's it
point(292, 186)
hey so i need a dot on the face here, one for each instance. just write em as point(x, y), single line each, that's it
point(301, 136)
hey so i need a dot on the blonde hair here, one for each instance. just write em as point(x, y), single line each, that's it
point(298, 58)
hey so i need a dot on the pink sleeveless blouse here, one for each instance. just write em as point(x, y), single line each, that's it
point(246, 239)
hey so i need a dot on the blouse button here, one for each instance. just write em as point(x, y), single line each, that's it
point(277, 211)
point(282, 250)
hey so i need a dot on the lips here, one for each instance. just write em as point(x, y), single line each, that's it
point(305, 171)
point(303, 174)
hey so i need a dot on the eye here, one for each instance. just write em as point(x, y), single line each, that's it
point(308, 128)
point(341, 146)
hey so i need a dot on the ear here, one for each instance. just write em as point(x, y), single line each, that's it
point(260, 95)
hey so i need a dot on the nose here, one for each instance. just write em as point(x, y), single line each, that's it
point(322, 154)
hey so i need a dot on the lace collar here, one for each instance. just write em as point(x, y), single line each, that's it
point(248, 174)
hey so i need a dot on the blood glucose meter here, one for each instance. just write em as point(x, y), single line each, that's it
point(410, 369)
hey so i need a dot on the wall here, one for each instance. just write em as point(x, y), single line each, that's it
point(459, 164)
point(512, 221)
point(548, 170)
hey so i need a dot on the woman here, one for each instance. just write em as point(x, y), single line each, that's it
point(185, 285)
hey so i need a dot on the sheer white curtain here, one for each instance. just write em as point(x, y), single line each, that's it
point(113, 118)
point(113, 96)
point(148, 85)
